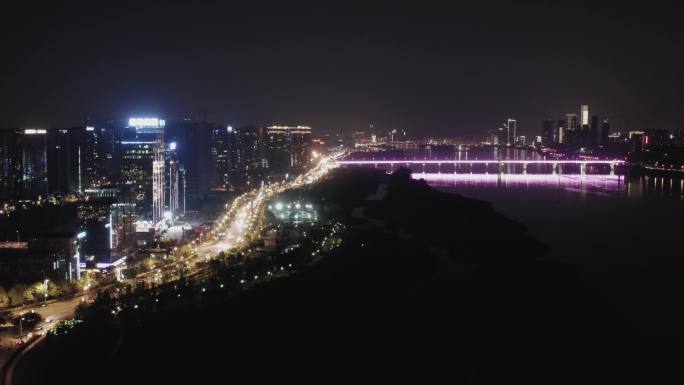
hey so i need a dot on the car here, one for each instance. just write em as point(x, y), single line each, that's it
point(48, 320)
point(18, 343)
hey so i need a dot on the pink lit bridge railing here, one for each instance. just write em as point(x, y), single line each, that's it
point(456, 163)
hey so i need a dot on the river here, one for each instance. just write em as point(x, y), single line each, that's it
point(621, 233)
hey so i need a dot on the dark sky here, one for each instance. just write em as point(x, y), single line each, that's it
point(421, 66)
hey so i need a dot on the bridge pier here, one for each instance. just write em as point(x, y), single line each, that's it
point(583, 168)
point(439, 168)
point(501, 167)
point(524, 168)
point(486, 168)
point(612, 169)
point(554, 168)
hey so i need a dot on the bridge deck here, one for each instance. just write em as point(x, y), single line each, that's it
point(479, 161)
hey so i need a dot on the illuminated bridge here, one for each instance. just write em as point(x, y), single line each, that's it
point(537, 166)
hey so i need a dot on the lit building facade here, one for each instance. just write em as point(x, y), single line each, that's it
point(142, 163)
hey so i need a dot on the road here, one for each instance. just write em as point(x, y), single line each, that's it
point(234, 228)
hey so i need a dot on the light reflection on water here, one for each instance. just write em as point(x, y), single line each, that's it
point(584, 183)
point(633, 187)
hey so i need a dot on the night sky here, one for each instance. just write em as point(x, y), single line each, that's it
point(421, 66)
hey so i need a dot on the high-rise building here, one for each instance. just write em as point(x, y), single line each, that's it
point(637, 140)
point(34, 163)
point(287, 148)
point(194, 142)
point(560, 131)
point(142, 163)
point(584, 115)
point(101, 153)
point(10, 164)
point(511, 126)
point(174, 180)
point(108, 216)
point(594, 131)
point(64, 159)
point(252, 162)
point(122, 240)
point(493, 137)
point(678, 137)
point(182, 187)
point(605, 132)
point(220, 158)
point(547, 136)
point(570, 129)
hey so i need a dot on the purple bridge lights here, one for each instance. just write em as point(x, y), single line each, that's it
point(543, 165)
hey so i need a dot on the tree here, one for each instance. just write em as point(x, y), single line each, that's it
point(184, 251)
point(54, 290)
point(84, 283)
point(4, 298)
point(31, 292)
point(16, 294)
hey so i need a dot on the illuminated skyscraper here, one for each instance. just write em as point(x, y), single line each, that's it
point(158, 193)
point(560, 131)
point(142, 163)
point(287, 148)
point(63, 159)
point(584, 114)
point(10, 164)
point(511, 126)
point(570, 129)
point(220, 157)
point(605, 131)
point(194, 142)
point(171, 158)
point(34, 163)
point(594, 131)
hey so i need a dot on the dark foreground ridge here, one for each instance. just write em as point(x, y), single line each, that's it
point(427, 287)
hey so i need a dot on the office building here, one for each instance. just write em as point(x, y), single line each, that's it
point(584, 115)
point(142, 163)
point(570, 134)
point(594, 131)
point(560, 131)
point(10, 164)
point(34, 163)
point(287, 149)
point(54, 255)
point(511, 127)
point(221, 140)
point(605, 132)
point(678, 137)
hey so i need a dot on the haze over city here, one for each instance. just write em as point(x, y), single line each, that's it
point(442, 69)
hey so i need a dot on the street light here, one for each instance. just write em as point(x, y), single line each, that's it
point(46, 289)
point(21, 329)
